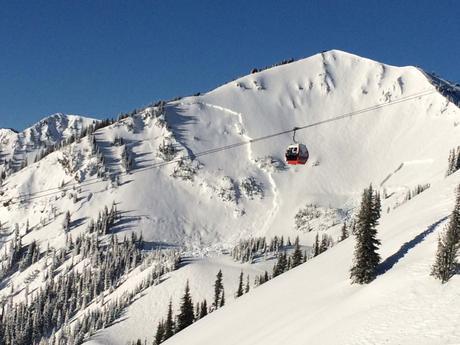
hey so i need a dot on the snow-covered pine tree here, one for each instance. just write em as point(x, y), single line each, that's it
point(126, 159)
point(66, 222)
point(457, 165)
point(316, 251)
point(203, 309)
point(218, 288)
point(324, 245)
point(446, 264)
point(366, 258)
point(222, 298)
point(186, 316)
point(281, 266)
point(450, 163)
point(453, 163)
point(240, 291)
point(297, 255)
point(344, 232)
point(197, 311)
point(247, 287)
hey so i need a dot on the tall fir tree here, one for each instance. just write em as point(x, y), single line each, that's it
point(281, 265)
point(344, 232)
point(316, 251)
point(247, 287)
point(169, 323)
point(297, 255)
point(240, 291)
point(450, 162)
point(453, 161)
point(366, 259)
point(203, 309)
point(446, 264)
point(66, 222)
point(222, 299)
point(218, 287)
point(186, 316)
point(324, 243)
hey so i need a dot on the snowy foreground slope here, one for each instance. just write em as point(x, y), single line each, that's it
point(206, 203)
point(316, 303)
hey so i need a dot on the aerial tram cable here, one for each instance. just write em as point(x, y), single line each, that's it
point(95, 180)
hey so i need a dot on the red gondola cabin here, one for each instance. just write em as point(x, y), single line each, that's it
point(297, 154)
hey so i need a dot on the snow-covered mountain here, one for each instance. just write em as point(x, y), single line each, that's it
point(399, 138)
point(20, 147)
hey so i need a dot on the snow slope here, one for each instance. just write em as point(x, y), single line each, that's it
point(316, 303)
point(205, 202)
point(142, 317)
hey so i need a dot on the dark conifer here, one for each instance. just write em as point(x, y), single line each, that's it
point(218, 287)
point(169, 323)
point(366, 258)
point(446, 263)
point(222, 299)
point(247, 287)
point(281, 266)
point(316, 251)
point(344, 233)
point(186, 315)
point(240, 291)
point(66, 223)
point(297, 255)
point(324, 243)
point(203, 309)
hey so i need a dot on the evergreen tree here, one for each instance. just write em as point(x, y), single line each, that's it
point(281, 266)
point(446, 264)
point(453, 161)
point(186, 315)
point(247, 287)
point(66, 223)
point(297, 255)
point(203, 309)
point(197, 311)
point(457, 164)
point(366, 258)
point(239, 292)
point(222, 299)
point(218, 288)
point(169, 323)
point(324, 243)
point(159, 335)
point(344, 233)
point(376, 207)
point(316, 251)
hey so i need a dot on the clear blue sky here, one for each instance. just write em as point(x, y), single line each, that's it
point(100, 58)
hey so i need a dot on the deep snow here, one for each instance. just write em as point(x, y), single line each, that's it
point(395, 147)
